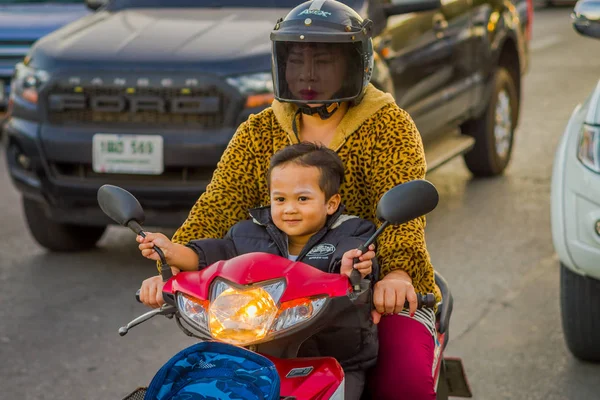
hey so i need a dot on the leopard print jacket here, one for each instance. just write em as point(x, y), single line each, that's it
point(380, 147)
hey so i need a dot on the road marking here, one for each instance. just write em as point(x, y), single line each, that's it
point(546, 42)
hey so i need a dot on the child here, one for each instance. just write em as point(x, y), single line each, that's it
point(303, 223)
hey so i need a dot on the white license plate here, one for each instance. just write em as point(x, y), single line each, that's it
point(127, 154)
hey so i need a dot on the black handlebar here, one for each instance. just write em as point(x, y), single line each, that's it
point(165, 270)
point(355, 277)
point(137, 296)
point(426, 300)
point(423, 300)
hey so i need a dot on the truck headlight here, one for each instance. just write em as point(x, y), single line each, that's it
point(588, 149)
point(27, 83)
point(257, 87)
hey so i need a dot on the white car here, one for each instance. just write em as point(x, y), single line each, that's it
point(575, 205)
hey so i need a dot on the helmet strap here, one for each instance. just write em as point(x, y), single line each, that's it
point(325, 111)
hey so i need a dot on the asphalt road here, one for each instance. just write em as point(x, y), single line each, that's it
point(59, 314)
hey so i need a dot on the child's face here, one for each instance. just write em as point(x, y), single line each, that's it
point(298, 205)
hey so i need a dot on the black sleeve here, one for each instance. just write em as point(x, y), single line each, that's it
point(353, 233)
point(210, 251)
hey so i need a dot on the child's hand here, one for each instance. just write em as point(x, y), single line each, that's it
point(365, 266)
point(155, 239)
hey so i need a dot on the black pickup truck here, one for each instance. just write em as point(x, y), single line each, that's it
point(163, 84)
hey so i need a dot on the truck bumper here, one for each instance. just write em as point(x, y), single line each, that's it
point(57, 172)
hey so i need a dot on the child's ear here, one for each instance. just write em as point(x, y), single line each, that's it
point(333, 203)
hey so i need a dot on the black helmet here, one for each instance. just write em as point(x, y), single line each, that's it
point(322, 54)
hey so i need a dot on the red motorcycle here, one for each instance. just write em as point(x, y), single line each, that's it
point(271, 305)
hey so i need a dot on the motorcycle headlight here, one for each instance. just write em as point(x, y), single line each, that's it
point(257, 87)
point(297, 311)
point(243, 316)
point(247, 315)
point(589, 147)
point(194, 310)
point(27, 83)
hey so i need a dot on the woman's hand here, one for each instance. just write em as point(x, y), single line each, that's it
point(390, 294)
point(365, 266)
point(151, 292)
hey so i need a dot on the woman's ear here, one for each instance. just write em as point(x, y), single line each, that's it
point(333, 203)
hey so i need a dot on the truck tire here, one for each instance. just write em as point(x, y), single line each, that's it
point(494, 129)
point(55, 236)
point(580, 311)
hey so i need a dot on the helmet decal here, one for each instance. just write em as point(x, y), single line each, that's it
point(315, 9)
point(315, 12)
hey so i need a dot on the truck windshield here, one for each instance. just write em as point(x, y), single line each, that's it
point(288, 4)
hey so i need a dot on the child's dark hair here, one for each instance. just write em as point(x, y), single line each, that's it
point(313, 155)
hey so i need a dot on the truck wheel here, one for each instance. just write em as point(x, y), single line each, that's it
point(494, 129)
point(580, 310)
point(56, 236)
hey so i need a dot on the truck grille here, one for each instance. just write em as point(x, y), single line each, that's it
point(173, 176)
point(158, 107)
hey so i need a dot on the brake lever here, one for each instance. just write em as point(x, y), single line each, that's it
point(166, 310)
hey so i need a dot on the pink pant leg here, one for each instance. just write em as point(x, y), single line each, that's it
point(405, 361)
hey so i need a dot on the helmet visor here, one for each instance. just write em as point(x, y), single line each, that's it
point(316, 72)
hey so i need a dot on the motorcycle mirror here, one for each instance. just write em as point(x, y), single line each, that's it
point(123, 208)
point(407, 201)
point(400, 204)
point(120, 205)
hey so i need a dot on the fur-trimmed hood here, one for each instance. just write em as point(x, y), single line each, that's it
point(372, 102)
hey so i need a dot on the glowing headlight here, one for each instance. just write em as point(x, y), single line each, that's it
point(589, 147)
point(296, 312)
point(246, 315)
point(27, 82)
point(243, 315)
point(194, 310)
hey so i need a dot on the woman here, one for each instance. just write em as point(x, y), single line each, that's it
point(322, 66)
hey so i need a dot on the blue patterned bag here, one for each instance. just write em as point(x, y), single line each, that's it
point(215, 371)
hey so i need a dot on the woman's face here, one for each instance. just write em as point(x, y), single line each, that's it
point(315, 71)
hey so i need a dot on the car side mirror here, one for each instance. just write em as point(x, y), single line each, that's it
point(397, 7)
point(96, 4)
point(586, 18)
